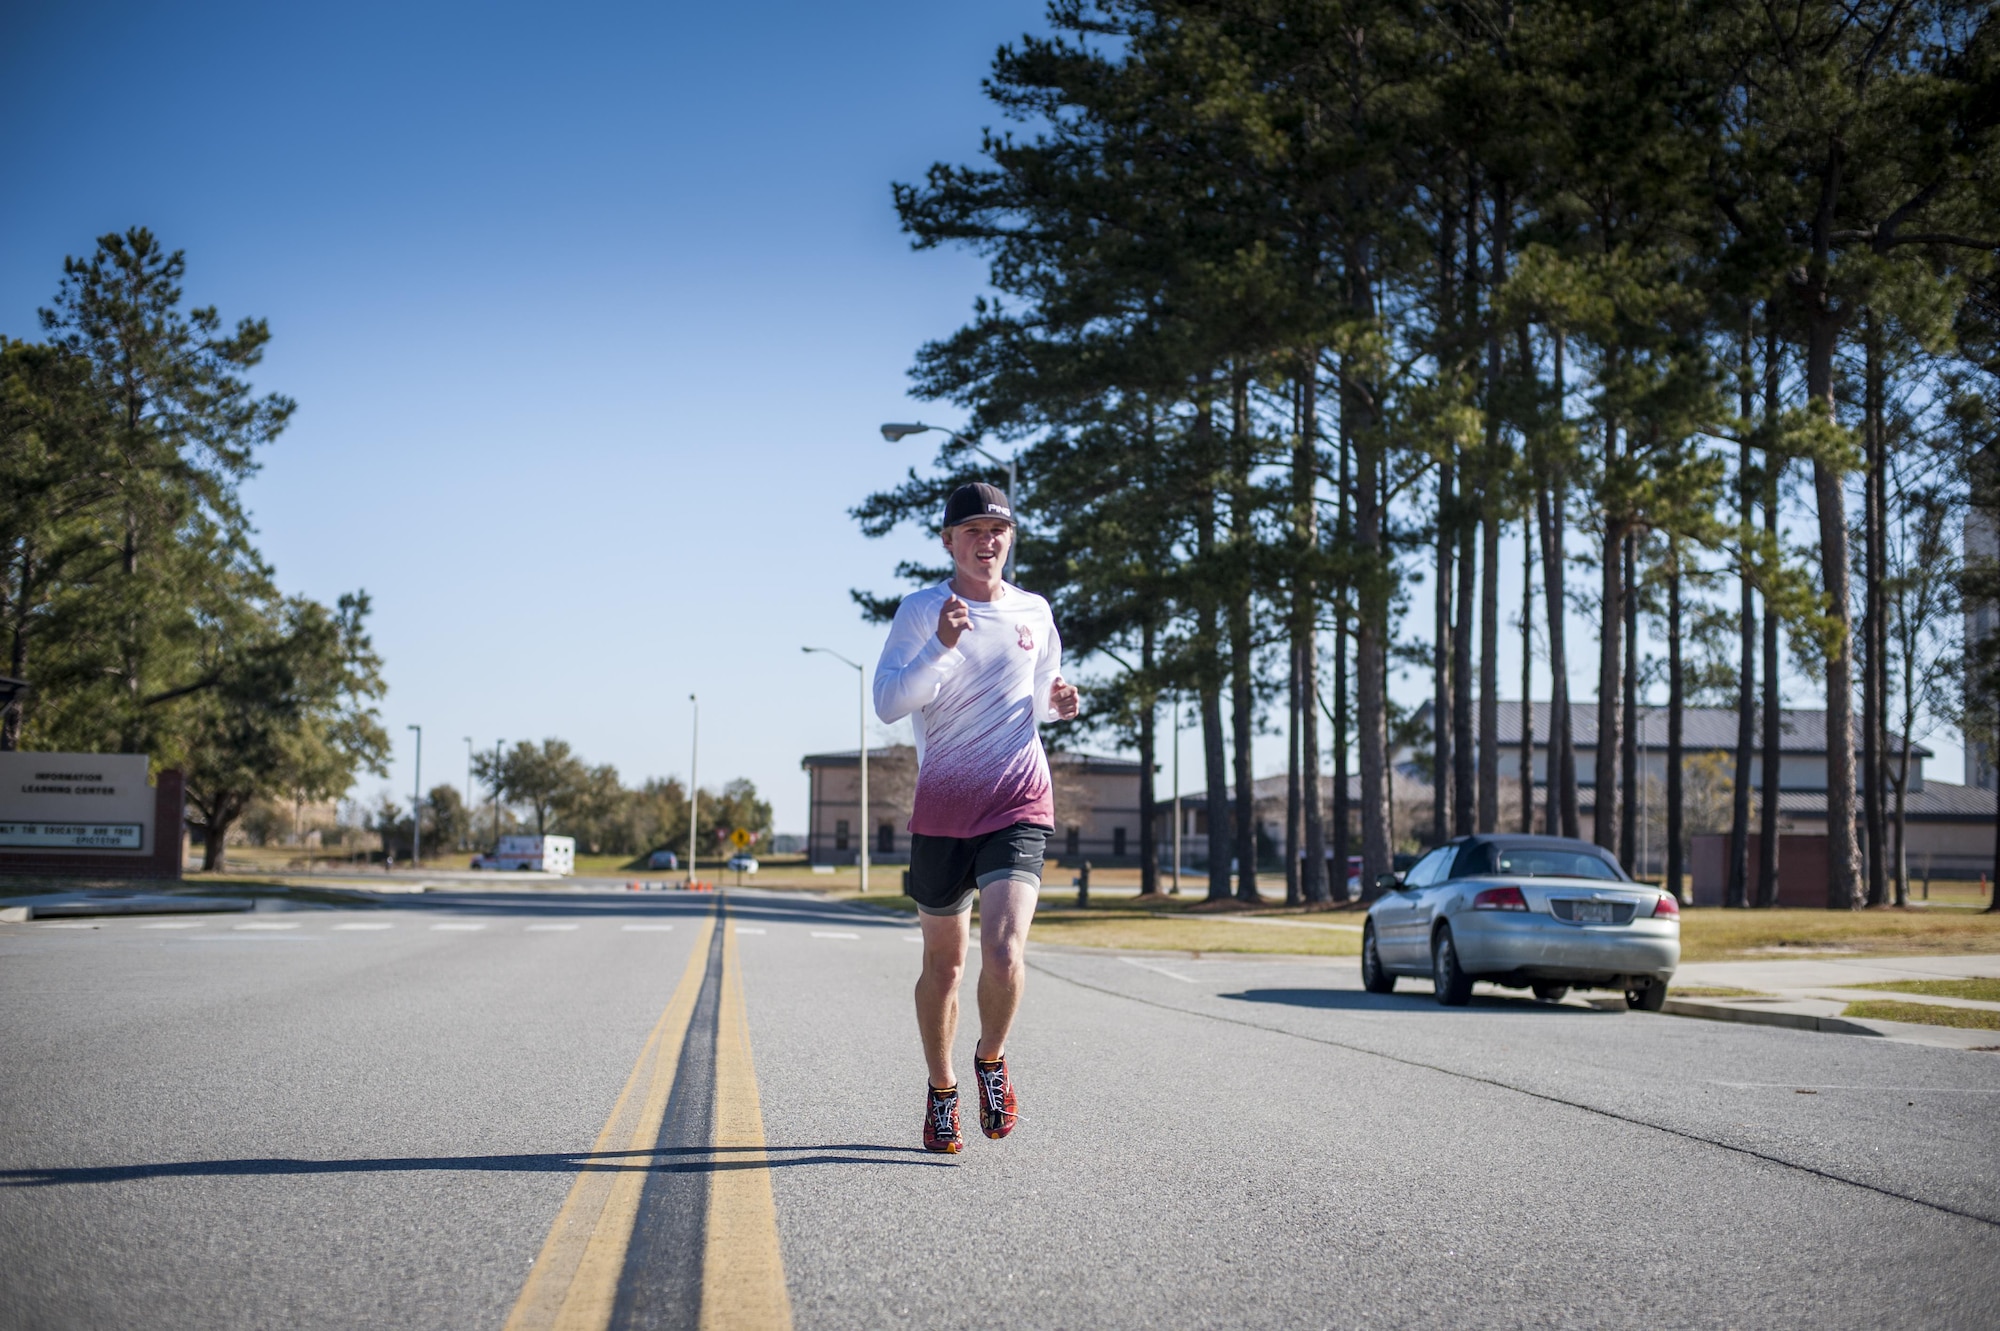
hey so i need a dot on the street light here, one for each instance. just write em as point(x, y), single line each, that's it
point(694, 785)
point(417, 804)
point(894, 433)
point(861, 693)
point(464, 841)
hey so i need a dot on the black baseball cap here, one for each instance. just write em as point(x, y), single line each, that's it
point(977, 500)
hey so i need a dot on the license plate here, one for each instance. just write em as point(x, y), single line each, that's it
point(1591, 912)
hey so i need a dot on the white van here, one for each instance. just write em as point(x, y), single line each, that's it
point(546, 854)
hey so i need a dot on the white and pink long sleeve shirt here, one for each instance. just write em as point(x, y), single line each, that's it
point(975, 708)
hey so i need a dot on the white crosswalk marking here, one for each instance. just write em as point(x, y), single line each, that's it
point(648, 928)
point(371, 924)
point(1157, 970)
point(266, 925)
point(821, 933)
point(457, 928)
point(175, 924)
point(746, 929)
point(551, 928)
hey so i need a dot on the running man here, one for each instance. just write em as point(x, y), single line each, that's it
point(975, 662)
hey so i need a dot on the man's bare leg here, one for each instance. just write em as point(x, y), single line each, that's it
point(1006, 909)
point(945, 939)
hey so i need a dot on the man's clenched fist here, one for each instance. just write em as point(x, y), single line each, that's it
point(953, 620)
point(1063, 700)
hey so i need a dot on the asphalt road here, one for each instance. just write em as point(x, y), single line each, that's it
point(619, 1110)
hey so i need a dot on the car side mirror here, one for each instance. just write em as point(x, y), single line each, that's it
point(1388, 882)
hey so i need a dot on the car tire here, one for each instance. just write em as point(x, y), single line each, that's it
point(1375, 977)
point(1649, 999)
point(1453, 985)
point(1551, 993)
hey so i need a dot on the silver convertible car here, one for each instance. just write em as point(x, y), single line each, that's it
point(1529, 912)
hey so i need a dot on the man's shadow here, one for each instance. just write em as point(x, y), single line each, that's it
point(659, 1160)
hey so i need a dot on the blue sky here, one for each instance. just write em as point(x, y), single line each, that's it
point(592, 312)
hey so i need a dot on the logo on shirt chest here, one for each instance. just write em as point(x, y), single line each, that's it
point(1026, 637)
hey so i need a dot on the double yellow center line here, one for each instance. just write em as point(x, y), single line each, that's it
point(574, 1284)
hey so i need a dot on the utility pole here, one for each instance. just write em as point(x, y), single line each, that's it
point(417, 805)
point(468, 796)
point(1177, 796)
point(694, 785)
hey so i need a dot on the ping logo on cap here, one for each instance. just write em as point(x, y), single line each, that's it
point(1003, 511)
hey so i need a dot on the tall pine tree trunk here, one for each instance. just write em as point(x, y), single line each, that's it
point(1736, 891)
point(1676, 701)
point(1149, 808)
point(1552, 499)
point(1242, 679)
point(1208, 630)
point(1471, 487)
point(1611, 615)
point(1527, 674)
point(1371, 626)
point(1465, 754)
point(1441, 661)
point(1292, 810)
point(1342, 840)
point(1874, 680)
point(1773, 716)
point(1843, 889)
point(1305, 630)
point(1628, 752)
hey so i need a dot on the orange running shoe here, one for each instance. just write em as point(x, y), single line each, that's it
point(996, 1096)
point(941, 1122)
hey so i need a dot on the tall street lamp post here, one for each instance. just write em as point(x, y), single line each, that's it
point(417, 805)
point(861, 695)
point(496, 791)
point(694, 785)
point(462, 840)
point(895, 432)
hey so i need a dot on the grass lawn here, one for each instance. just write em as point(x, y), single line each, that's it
point(1715, 991)
point(1971, 1018)
point(1979, 990)
point(1165, 927)
point(1713, 934)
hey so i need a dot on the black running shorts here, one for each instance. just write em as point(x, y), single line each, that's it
point(946, 870)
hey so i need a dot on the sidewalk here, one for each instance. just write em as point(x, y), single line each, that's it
point(1812, 993)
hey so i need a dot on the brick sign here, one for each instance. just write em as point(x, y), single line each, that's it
point(88, 812)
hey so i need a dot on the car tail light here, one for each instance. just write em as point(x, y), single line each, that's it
point(1667, 908)
point(1500, 898)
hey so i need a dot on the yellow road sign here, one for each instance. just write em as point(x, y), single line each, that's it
point(741, 838)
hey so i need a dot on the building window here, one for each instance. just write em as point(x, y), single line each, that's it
point(1072, 841)
point(840, 835)
point(1117, 841)
point(885, 839)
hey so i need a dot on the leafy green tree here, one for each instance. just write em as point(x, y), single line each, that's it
point(283, 708)
point(176, 428)
point(543, 777)
point(448, 821)
point(55, 469)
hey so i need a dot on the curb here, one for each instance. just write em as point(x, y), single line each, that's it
point(1797, 1021)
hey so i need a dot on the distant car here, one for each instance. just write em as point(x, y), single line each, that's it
point(743, 863)
point(1548, 914)
point(663, 859)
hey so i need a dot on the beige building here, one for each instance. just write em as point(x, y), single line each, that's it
point(1951, 827)
point(1096, 798)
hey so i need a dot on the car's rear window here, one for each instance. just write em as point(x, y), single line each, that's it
point(1538, 862)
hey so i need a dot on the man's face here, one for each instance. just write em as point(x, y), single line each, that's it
point(979, 547)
